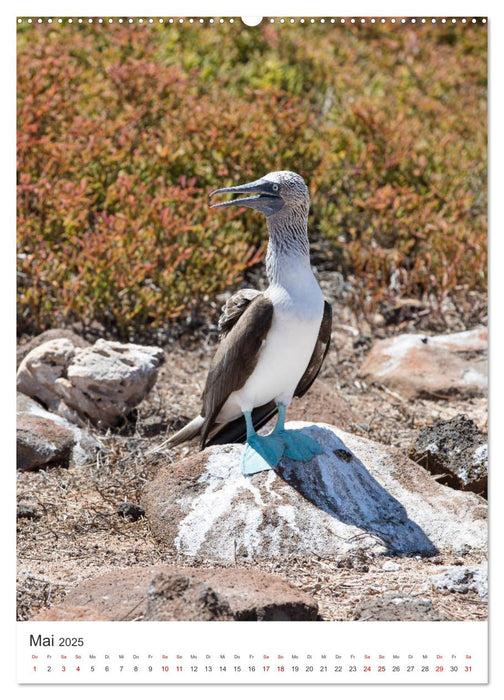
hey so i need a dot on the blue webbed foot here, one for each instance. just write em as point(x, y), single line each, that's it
point(261, 453)
point(299, 446)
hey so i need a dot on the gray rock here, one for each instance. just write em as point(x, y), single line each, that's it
point(422, 366)
point(357, 495)
point(51, 334)
point(462, 579)
point(456, 449)
point(100, 384)
point(183, 593)
point(40, 370)
point(394, 607)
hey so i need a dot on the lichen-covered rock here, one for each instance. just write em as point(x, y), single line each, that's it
point(356, 495)
point(455, 449)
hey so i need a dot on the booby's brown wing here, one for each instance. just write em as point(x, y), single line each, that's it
point(319, 353)
point(235, 359)
point(235, 431)
point(234, 308)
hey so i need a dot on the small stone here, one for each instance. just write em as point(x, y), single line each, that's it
point(391, 566)
point(463, 579)
point(130, 510)
point(27, 510)
point(150, 427)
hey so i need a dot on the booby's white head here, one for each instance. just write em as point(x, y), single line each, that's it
point(271, 194)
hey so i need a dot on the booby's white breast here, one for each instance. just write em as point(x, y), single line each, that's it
point(297, 314)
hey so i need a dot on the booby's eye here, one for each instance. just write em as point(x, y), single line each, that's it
point(275, 187)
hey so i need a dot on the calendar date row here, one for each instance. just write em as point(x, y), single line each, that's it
point(308, 668)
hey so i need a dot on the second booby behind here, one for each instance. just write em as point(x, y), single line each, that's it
point(272, 343)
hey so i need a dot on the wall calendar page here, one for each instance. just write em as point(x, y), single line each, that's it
point(252, 349)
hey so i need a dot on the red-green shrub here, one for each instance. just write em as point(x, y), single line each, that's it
point(124, 130)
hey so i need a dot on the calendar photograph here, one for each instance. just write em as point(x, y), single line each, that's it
point(252, 347)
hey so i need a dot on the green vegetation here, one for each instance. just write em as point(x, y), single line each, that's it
point(124, 130)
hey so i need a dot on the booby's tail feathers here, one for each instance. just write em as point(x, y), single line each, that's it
point(234, 431)
point(188, 432)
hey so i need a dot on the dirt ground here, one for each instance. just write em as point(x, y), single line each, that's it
point(69, 528)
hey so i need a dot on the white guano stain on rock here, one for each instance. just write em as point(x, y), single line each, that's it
point(355, 495)
point(206, 509)
point(400, 346)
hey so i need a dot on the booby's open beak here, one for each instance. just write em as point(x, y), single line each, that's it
point(267, 199)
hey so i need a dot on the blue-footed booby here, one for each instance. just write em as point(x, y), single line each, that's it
point(272, 343)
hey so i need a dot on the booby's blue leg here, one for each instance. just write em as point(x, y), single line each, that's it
point(261, 452)
point(298, 445)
